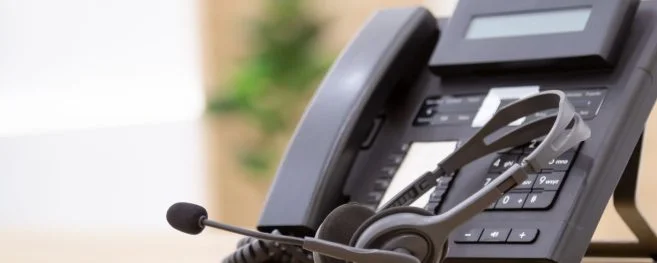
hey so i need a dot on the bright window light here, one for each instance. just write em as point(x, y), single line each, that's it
point(76, 64)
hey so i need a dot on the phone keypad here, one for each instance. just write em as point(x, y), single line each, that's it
point(538, 191)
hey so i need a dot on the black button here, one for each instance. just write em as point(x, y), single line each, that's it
point(489, 178)
point(494, 235)
point(522, 235)
point(388, 171)
point(539, 200)
point(550, 181)
point(451, 104)
point(374, 197)
point(503, 162)
point(451, 119)
point(404, 147)
point(468, 236)
point(381, 184)
point(511, 201)
point(432, 101)
point(374, 130)
point(427, 111)
point(527, 183)
point(561, 163)
point(396, 159)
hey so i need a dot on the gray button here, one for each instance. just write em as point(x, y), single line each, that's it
point(527, 183)
point(522, 235)
point(550, 182)
point(539, 200)
point(494, 235)
point(511, 201)
point(468, 236)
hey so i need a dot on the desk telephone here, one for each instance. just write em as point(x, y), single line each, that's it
point(410, 90)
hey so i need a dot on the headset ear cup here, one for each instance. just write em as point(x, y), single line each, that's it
point(381, 214)
point(340, 225)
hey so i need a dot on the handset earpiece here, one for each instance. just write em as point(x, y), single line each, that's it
point(562, 132)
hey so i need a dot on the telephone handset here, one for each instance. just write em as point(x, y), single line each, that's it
point(410, 89)
point(387, 53)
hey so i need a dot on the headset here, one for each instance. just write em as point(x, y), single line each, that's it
point(400, 233)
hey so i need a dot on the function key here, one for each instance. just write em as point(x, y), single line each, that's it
point(494, 235)
point(381, 184)
point(388, 171)
point(468, 236)
point(437, 195)
point(451, 104)
point(396, 159)
point(511, 201)
point(432, 101)
point(503, 162)
point(561, 163)
point(427, 112)
point(451, 119)
point(550, 181)
point(404, 147)
point(522, 235)
point(539, 200)
point(586, 113)
point(374, 197)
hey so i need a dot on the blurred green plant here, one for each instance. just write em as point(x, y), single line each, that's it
point(283, 66)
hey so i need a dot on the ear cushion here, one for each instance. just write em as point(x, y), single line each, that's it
point(384, 213)
point(340, 225)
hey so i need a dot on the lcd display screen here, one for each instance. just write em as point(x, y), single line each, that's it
point(529, 23)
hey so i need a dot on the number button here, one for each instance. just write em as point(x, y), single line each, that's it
point(550, 182)
point(527, 183)
point(503, 162)
point(511, 201)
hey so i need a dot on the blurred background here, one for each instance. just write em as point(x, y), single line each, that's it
point(110, 111)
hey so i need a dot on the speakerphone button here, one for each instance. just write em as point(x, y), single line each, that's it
point(494, 235)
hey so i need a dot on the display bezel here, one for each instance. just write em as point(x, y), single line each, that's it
point(592, 47)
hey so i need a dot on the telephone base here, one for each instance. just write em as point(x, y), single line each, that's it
point(626, 206)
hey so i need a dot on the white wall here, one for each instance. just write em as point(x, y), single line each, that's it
point(99, 112)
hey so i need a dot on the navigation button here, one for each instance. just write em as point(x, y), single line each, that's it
point(551, 181)
point(502, 162)
point(522, 235)
point(511, 201)
point(494, 235)
point(539, 200)
point(468, 236)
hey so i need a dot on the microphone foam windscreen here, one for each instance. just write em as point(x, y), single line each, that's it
point(186, 217)
point(340, 225)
